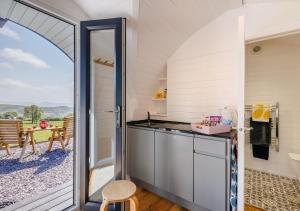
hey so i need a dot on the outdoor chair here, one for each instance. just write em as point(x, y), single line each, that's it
point(11, 132)
point(62, 134)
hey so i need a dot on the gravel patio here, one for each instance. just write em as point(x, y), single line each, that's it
point(36, 174)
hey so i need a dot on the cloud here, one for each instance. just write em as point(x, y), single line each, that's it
point(6, 65)
point(12, 90)
point(21, 56)
point(6, 31)
point(8, 83)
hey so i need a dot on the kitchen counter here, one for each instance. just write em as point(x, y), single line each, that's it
point(173, 126)
point(171, 160)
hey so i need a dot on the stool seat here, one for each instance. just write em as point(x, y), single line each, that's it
point(118, 191)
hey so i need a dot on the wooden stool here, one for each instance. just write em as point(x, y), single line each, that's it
point(119, 191)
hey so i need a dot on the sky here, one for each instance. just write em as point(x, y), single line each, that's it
point(33, 70)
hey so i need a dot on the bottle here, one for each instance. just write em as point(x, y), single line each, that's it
point(226, 116)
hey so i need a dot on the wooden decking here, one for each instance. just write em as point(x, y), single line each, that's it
point(151, 202)
point(251, 208)
point(56, 199)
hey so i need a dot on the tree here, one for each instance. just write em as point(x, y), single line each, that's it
point(33, 112)
point(10, 115)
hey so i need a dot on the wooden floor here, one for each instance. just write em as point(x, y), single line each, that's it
point(151, 202)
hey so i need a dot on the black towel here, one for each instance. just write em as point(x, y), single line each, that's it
point(260, 151)
point(260, 138)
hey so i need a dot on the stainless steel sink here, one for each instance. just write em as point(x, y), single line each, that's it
point(147, 124)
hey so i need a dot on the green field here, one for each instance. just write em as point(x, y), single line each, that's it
point(42, 135)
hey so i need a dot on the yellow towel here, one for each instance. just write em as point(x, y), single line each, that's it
point(261, 113)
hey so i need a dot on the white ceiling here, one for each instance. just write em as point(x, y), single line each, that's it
point(161, 25)
point(113, 8)
point(97, 9)
point(166, 23)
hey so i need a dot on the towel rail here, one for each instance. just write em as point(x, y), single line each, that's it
point(274, 124)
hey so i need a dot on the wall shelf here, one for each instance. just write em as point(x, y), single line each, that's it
point(159, 99)
point(159, 114)
point(159, 105)
point(162, 79)
point(104, 62)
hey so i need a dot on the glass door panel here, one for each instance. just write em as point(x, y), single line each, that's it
point(103, 111)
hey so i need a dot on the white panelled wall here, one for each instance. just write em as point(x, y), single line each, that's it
point(162, 26)
point(195, 38)
point(202, 73)
point(272, 75)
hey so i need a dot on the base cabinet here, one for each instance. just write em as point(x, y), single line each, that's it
point(194, 168)
point(174, 164)
point(141, 154)
point(210, 182)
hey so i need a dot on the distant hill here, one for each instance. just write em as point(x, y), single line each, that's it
point(58, 111)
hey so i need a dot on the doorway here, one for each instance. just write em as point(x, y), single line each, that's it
point(271, 146)
point(37, 88)
point(102, 99)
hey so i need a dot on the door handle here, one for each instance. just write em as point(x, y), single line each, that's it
point(118, 112)
point(246, 129)
point(111, 111)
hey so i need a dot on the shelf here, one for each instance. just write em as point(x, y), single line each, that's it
point(159, 114)
point(160, 99)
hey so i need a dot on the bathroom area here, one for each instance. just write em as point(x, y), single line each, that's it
point(272, 123)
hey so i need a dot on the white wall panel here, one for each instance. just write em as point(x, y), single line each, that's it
point(4, 9)
point(58, 38)
point(202, 73)
point(60, 26)
point(40, 19)
point(18, 12)
point(28, 16)
point(48, 25)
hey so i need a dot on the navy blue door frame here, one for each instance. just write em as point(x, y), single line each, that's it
point(85, 28)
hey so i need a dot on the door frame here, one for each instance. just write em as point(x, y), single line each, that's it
point(241, 112)
point(118, 24)
point(51, 11)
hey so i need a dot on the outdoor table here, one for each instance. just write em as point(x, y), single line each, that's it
point(29, 135)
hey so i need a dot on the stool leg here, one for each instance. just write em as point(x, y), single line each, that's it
point(134, 204)
point(104, 205)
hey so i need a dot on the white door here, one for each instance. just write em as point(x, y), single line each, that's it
point(241, 111)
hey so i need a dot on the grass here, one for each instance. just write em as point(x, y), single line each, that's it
point(42, 135)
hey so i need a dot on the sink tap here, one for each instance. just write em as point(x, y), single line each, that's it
point(149, 121)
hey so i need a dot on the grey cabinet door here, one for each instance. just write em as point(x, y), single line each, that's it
point(141, 154)
point(174, 164)
point(210, 182)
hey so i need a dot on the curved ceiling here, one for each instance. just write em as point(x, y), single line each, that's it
point(161, 26)
point(58, 32)
point(162, 23)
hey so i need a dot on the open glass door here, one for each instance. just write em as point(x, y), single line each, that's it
point(103, 96)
